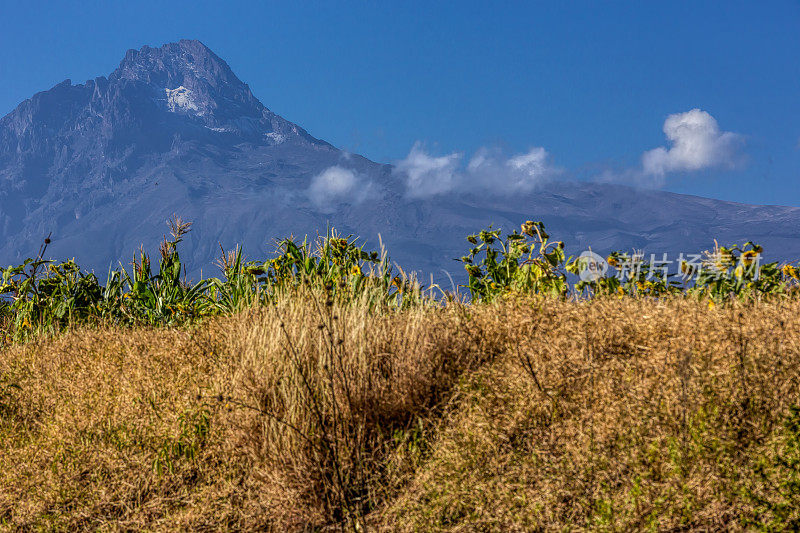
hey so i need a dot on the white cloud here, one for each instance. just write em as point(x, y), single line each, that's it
point(336, 185)
point(488, 171)
point(696, 143)
point(530, 169)
point(426, 175)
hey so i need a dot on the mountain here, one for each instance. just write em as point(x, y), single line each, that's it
point(102, 165)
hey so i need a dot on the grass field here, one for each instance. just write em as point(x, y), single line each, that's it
point(313, 413)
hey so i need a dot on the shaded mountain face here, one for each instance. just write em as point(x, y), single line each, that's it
point(102, 165)
point(169, 131)
point(83, 145)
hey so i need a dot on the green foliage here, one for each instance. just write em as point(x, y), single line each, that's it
point(44, 296)
point(338, 265)
point(194, 428)
point(737, 272)
point(636, 276)
point(525, 262)
point(776, 492)
point(163, 297)
point(721, 274)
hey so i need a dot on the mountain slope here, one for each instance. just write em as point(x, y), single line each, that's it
point(103, 164)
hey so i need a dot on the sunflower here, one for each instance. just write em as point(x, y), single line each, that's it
point(473, 270)
point(749, 256)
point(527, 228)
point(397, 282)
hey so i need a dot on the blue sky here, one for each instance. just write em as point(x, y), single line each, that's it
point(590, 82)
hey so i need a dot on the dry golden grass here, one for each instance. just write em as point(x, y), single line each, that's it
point(615, 414)
point(621, 415)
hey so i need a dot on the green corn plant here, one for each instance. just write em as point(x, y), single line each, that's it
point(20, 288)
point(243, 285)
point(525, 262)
point(43, 295)
point(163, 297)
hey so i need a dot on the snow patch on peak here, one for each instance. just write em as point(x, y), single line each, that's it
point(278, 138)
point(180, 99)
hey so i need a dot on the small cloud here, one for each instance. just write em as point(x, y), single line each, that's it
point(488, 171)
point(336, 185)
point(696, 144)
point(426, 175)
point(529, 170)
point(628, 176)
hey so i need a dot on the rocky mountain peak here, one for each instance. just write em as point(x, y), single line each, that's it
point(174, 60)
point(187, 77)
point(184, 62)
